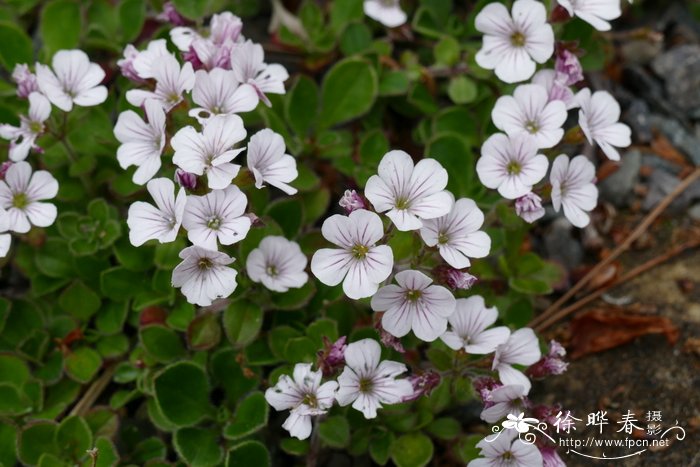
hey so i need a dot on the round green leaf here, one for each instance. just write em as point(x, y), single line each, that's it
point(248, 453)
point(204, 332)
point(462, 90)
point(73, 437)
point(79, 300)
point(36, 439)
point(82, 364)
point(60, 25)
point(335, 431)
point(301, 105)
point(251, 416)
point(182, 393)
point(242, 322)
point(16, 46)
point(198, 447)
point(348, 91)
point(412, 450)
point(162, 343)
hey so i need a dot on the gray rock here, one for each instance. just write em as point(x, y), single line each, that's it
point(680, 69)
point(661, 183)
point(617, 188)
point(678, 135)
point(561, 246)
point(694, 212)
point(637, 116)
point(655, 162)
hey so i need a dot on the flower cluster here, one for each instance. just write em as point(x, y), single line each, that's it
point(72, 80)
point(230, 78)
point(532, 119)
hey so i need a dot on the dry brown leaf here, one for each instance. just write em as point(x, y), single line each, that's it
point(663, 148)
point(602, 329)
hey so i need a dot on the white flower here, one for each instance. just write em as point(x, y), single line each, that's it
point(160, 222)
point(278, 263)
point(204, 275)
point(218, 93)
point(507, 449)
point(512, 45)
point(268, 162)
point(469, 323)
point(530, 112)
point(142, 141)
point(573, 188)
point(511, 164)
point(504, 401)
point(21, 195)
point(5, 238)
point(362, 263)
point(304, 396)
point(23, 138)
point(457, 235)
point(74, 80)
point(387, 12)
point(521, 348)
point(414, 304)
point(147, 62)
point(217, 215)
point(557, 90)
point(211, 150)
point(597, 13)
point(368, 383)
point(247, 62)
point(171, 82)
point(529, 207)
point(598, 118)
point(212, 51)
point(409, 193)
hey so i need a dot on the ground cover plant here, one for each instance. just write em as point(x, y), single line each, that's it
point(241, 233)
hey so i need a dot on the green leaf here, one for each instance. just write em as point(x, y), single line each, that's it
point(204, 332)
point(16, 46)
point(74, 437)
point(54, 259)
point(198, 447)
point(294, 299)
point(462, 90)
point(228, 374)
point(182, 393)
point(82, 364)
point(335, 431)
point(60, 25)
point(529, 286)
point(301, 105)
point(162, 343)
point(348, 91)
point(444, 428)
point(120, 284)
point(356, 38)
point(288, 213)
point(394, 83)
point(36, 439)
point(247, 454)
point(242, 322)
point(322, 327)
point(295, 447)
point(133, 258)
point(191, 9)
point(13, 371)
point(107, 453)
point(412, 450)
point(344, 12)
point(132, 15)
point(379, 447)
point(300, 349)
point(447, 51)
point(452, 152)
point(250, 417)
point(8, 444)
point(111, 317)
point(79, 301)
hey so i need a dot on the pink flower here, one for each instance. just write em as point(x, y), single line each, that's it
point(550, 457)
point(186, 179)
point(332, 357)
point(454, 278)
point(388, 340)
point(551, 364)
point(509, 399)
point(170, 15)
point(529, 207)
point(568, 67)
point(423, 384)
point(126, 64)
point(556, 88)
point(351, 201)
point(25, 79)
point(484, 386)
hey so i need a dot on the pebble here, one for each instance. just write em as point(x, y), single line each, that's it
point(618, 187)
point(678, 135)
point(562, 246)
point(679, 67)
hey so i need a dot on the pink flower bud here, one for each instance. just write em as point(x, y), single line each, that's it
point(170, 15)
point(454, 278)
point(546, 413)
point(191, 56)
point(423, 384)
point(529, 207)
point(185, 179)
point(351, 201)
point(25, 79)
point(568, 68)
point(389, 340)
point(332, 357)
point(551, 364)
point(3, 169)
point(484, 386)
point(126, 64)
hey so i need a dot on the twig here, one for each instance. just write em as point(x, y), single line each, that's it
point(314, 449)
point(641, 228)
point(93, 392)
point(631, 274)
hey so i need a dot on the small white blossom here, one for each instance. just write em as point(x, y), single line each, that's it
point(597, 13)
point(457, 235)
point(248, 64)
point(506, 450)
point(171, 82)
point(268, 162)
point(387, 12)
point(147, 62)
point(409, 193)
point(23, 138)
point(210, 151)
point(204, 275)
point(573, 188)
point(530, 112)
point(415, 305)
point(469, 325)
point(220, 214)
point(213, 49)
point(521, 348)
point(22, 194)
point(502, 401)
point(359, 263)
point(218, 93)
point(304, 396)
point(278, 263)
point(142, 142)
point(74, 80)
point(529, 207)
point(557, 90)
point(599, 119)
point(160, 222)
point(368, 383)
point(5, 238)
point(512, 45)
point(511, 164)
